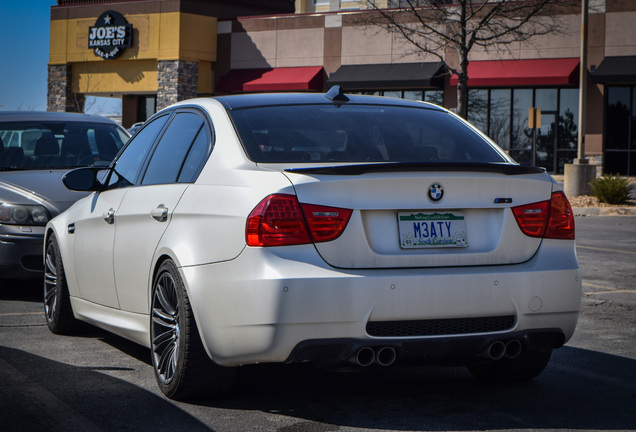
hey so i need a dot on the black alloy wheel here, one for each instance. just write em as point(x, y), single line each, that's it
point(57, 302)
point(181, 364)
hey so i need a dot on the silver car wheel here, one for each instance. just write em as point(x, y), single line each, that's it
point(50, 282)
point(57, 301)
point(165, 327)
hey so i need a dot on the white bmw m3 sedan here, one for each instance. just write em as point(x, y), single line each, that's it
point(327, 228)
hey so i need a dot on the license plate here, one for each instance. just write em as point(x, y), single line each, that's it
point(431, 230)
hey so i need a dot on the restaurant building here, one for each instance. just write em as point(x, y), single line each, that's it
point(151, 53)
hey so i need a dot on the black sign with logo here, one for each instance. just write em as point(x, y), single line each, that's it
point(110, 35)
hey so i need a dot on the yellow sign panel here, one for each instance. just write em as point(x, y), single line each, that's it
point(534, 118)
point(106, 78)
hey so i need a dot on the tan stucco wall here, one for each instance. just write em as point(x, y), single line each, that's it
point(554, 45)
point(278, 48)
point(620, 34)
point(367, 44)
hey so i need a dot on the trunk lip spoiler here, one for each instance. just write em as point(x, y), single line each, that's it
point(364, 168)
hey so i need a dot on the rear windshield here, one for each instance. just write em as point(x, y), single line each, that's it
point(358, 133)
point(37, 145)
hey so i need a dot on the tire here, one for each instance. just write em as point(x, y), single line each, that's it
point(57, 301)
point(182, 367)
point(528, 365)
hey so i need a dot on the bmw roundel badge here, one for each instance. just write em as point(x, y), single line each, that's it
point(435, 192)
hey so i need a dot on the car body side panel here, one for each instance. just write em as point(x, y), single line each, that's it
point(129, 325)
point(93, 251)
point(137, 235)
point(219, 210)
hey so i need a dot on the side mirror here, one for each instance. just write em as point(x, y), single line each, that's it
point(83, 179)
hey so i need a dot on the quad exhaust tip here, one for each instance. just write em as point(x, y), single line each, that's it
point(386, 356)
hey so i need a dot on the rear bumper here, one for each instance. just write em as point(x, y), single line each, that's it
point(442, 350)
point(287, 305)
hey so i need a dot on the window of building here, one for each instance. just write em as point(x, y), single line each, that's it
point(620, 131)
point(503, 115)
point(435, 96)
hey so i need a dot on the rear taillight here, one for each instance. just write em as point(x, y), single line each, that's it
point(325, 223)
point(561, 222)
point(548, 219)
point(280, 220)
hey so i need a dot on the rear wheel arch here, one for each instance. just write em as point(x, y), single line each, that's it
point(182, 366)
point(157, 267)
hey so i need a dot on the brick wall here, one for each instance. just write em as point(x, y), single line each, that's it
point(177, 81)
point(60, 97)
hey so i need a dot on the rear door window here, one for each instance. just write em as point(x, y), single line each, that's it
point(180, 152)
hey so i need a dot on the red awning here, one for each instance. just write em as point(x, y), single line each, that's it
point(516, 73)
point(278, 79)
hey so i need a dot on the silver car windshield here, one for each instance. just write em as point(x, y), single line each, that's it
point(358, 133)
point(37, 145)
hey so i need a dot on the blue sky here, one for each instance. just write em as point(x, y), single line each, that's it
point(24, 55)
point(24, 32)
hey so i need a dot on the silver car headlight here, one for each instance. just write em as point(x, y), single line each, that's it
point(16, 214)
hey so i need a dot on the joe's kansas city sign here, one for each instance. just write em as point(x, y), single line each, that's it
point(110, 35)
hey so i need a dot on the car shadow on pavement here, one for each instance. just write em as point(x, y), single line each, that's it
point(581, 389)
point(39, 394)
point(21, 290)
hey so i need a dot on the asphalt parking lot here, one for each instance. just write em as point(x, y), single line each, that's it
point(95, 381)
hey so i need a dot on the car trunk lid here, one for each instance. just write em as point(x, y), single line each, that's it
point(459, 217)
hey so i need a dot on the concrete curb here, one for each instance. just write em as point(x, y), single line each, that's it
point(603, 211)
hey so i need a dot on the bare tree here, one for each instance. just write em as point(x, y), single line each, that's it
point(438, 27)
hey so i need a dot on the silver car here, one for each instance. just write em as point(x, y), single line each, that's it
point(36, 149)
point(323, 228)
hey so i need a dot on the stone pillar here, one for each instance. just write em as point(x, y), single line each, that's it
point(60, 97)
point(177, 81)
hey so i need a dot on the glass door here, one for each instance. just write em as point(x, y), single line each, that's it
point(546, 141)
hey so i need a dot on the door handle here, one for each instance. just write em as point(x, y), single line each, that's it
point(109, 216)
point(160, 214)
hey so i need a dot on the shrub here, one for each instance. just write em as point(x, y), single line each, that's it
point(611, 189)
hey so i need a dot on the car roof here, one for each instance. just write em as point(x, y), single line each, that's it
point(273, 99)
point(13, 116)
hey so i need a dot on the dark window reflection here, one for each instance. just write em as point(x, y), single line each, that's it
point(545, 143)
point(615, 162)
point(546, 99)
point(620, 132)
point(499, 129)
point(478, 109)
point(568, 119)
point(434, 96)
point(618, 117)
point(521, 145)
point(633, 128)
